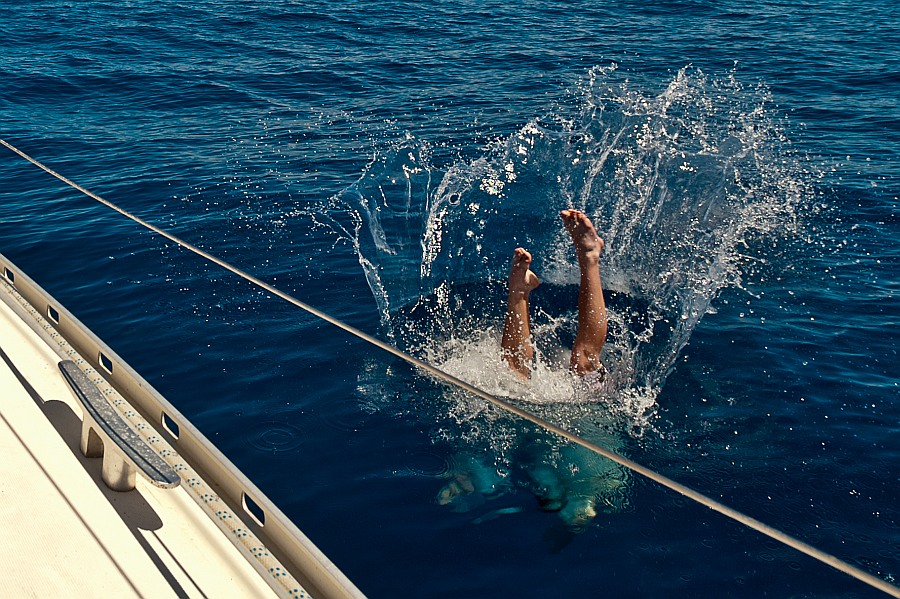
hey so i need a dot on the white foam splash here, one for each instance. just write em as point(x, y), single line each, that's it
point(676, 181)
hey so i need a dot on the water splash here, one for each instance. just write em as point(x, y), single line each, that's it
point(678, 181)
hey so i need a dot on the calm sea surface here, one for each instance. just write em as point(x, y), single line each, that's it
point(380, 161)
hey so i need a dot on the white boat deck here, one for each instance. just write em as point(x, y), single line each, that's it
point(65, 533)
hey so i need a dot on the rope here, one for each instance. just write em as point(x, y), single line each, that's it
point(774, 533)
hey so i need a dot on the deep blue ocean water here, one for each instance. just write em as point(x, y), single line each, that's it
point(380, 161)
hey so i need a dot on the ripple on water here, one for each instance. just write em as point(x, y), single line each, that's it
point(272, 436)
point(345, 414)
point(428, 464)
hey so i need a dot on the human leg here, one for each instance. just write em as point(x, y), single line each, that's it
point(516, 342)
point(592, 316)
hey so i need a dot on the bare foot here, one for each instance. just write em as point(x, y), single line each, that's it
point(588, 244)
point(521, 279)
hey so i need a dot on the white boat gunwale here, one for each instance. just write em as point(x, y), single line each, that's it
point(286, 542)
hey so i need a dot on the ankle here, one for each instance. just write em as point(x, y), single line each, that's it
point(589, 260)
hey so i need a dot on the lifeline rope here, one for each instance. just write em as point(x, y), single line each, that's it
point(774, 533)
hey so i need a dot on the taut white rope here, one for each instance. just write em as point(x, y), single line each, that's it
point(723, 509)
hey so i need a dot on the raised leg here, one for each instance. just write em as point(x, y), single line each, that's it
point(592, 316)
point(516, 343)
